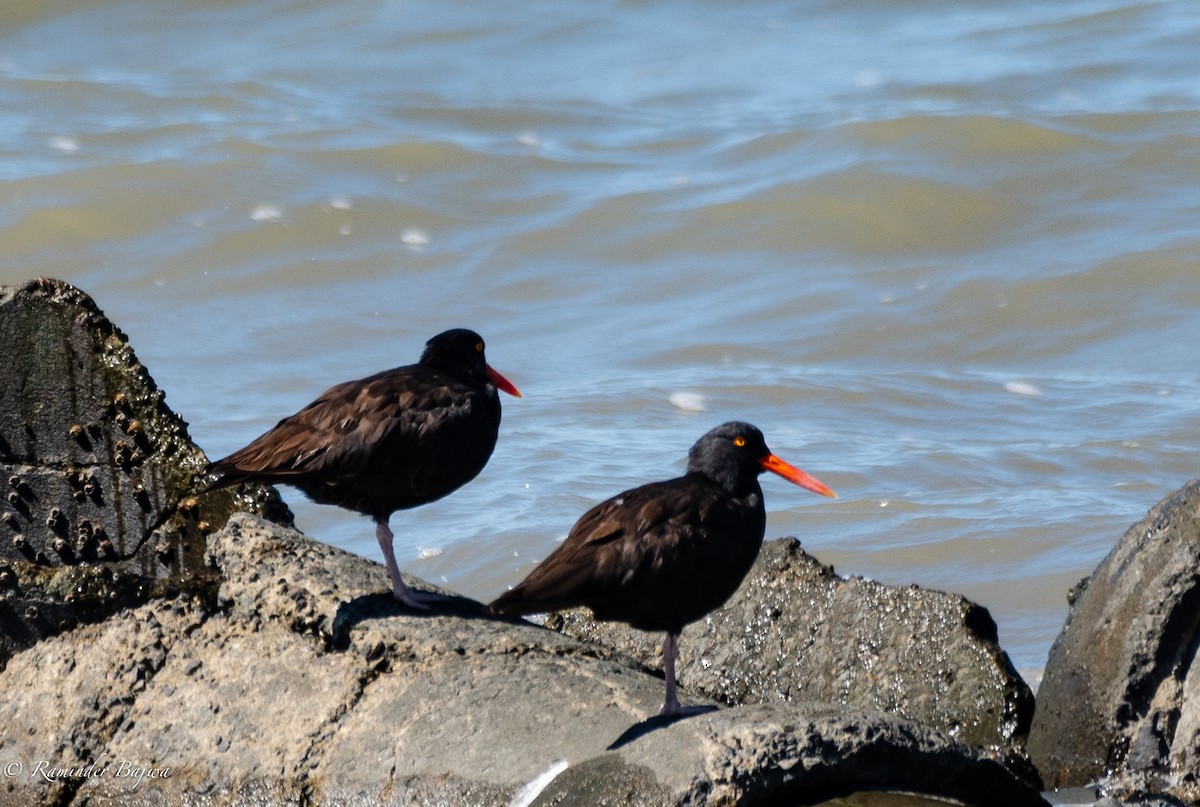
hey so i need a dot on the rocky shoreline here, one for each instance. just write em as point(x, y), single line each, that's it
point(161, 647)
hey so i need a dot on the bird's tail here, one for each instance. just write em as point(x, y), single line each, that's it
point(227, 475)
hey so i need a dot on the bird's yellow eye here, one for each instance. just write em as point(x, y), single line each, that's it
point(479, 347)
point(739, 441)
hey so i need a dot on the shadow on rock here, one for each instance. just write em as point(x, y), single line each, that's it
point(639, 730)
point(381, 605)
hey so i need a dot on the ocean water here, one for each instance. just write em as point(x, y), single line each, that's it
point(944, 254)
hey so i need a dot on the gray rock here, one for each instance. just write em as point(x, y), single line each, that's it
point(95, 470)
point(307, 683)
point(797, 631)
point(1142, 800)
point(449, 700)
point(303, 682)
point(783, 754)
point(1121, 694)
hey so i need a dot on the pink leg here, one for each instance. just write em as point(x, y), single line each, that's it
point(670, 653)
point(400, 591)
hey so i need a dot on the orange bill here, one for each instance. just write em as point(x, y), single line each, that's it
point(794, 475)
point(502, 383)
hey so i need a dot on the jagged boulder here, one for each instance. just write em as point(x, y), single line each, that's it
point(1120, 698)
point(96, 472)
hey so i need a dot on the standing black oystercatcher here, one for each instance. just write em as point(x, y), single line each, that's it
point(398, 439)
point(665, 554)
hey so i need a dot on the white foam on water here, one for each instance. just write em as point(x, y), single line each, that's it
point(414, 237)
point(67, 145)
point(688, 401)
point(1021, 388)
point(266, 213)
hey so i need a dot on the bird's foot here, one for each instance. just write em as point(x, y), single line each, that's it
point(414, 600)
point(685, 711)
point(671, 708)
point(420, 600)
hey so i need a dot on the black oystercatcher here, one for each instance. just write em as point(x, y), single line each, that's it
point(665, 554)
point(398, 439)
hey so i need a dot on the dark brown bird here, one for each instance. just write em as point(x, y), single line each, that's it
point(665, 554)
point(396, 440)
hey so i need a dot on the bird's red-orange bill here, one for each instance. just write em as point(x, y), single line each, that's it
point(502, 383)
point(794, 475)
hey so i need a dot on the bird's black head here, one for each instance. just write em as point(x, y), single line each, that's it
point(730, 454)
point(459, 352)
point(735, 453)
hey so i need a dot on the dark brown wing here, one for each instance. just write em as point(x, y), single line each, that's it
point(658, 556)
point(397, 439)
point(297, 444)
